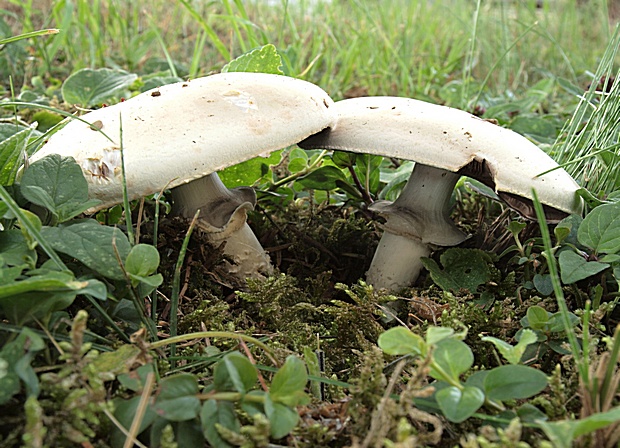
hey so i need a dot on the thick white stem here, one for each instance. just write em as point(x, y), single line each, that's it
point(223, 218)
point(396, 262)
point(417, 219)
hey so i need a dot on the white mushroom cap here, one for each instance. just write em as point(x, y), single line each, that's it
point(183, 131)
point(455, 141)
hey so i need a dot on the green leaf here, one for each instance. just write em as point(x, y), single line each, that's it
point(288, 383)
point(530, 414)
point(146, 285)
point(401, 341)
point(260, 60)
point(57, 183)
point(569, 87)
point(136, 379)
point(9, 129)
point(458, 405)
point(177, 400)
point(188, 434)
point(234, 372)
point(255, 407)
point(29, 220)
point(395, 180)
point(563, 433)
point(250, 171)
point(617, 274)
point(314, 369)
point(556, 322)
point(92, 244)
point(282, 418)
point(537, 318)
point(156, 81)
point(476, 379)
point(216, 413)
point(125, 412)
point(88, 87)
point(574, 267)
point(535, 126)
point(296, 165)
point(8, 275)
point(15, 359)
point(453, 357)
point(610, 258)
point(344, 159)
point(566, 230)
point(324, 178)
point(14, 249)
point(543, 284)
point(513, 354)
point(590, 200)
point(12, 152)
point(46, 120)
point(368, 170)
point(37, 296)
point(9, 381)
point(463, 269)
point(516, 227)
point(513, 382)
point(142, 260)
point(600, 229)
point(437, 334)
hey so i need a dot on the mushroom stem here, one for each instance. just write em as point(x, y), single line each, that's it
point(397, 261)
point(223, 214)
point(417, 220)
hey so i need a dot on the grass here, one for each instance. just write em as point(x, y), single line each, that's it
point(527, 65)
point(408, 48)
point(589, 145)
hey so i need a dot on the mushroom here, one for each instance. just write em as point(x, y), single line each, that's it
point(445, 143)
point(179, 135)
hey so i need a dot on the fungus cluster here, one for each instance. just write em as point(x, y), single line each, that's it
point(178, 136)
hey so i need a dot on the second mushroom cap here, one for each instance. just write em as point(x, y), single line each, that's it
point(455, 141)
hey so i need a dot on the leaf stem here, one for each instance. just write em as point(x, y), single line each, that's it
point(299, 174)
point(128, 223)
point(209, 334)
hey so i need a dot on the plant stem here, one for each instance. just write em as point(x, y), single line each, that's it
point(127, 209)
point(210, 334)
point(298, 174)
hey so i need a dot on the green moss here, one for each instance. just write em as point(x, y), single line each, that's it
point(367, 389)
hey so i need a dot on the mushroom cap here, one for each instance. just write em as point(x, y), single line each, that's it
point(179, 132)
point(456, 141)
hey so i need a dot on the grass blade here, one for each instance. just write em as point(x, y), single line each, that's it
point(176, 286)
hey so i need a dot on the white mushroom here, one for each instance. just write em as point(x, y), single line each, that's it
point(179, 135)
point(445, 143)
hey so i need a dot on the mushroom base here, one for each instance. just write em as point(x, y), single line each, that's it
point(223, 214)
point(418, 218)
point(396, 263)
point(249, 259)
